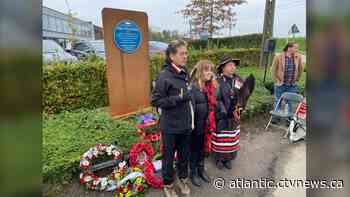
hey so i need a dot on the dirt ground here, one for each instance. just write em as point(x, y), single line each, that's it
point(263, 154)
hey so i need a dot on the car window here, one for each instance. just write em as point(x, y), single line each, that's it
point(81, 47)
point(98, 46)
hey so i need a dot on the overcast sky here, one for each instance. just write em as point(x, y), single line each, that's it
point(162, 14)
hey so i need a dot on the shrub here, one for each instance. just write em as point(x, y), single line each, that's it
point(73, 86)
point(248, 57)
point(281, 42)
point(83, 84)
point(244, 41)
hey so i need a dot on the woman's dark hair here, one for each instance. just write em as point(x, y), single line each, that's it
point(288, 45)
point(172, 49)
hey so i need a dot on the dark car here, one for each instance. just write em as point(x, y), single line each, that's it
point(83, 49)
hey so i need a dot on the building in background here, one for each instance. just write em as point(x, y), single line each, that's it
point(59, 26)
point(98, 32)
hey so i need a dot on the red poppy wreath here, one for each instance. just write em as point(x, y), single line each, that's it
point(141, 155)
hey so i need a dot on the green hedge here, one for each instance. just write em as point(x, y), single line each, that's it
point(68, 87)
point(248, 57)
point(73, 86)
point(244, 41)
point(281, 43)
point(67, 135)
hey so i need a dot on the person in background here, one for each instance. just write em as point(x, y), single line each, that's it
point(286, 68)
point(203, 88)
point(172, 96)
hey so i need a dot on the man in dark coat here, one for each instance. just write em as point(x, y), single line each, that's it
point(172, 96)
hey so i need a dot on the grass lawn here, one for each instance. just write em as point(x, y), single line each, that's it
point(66, 136)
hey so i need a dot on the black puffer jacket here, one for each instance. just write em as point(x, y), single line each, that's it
point(176, 116)
point(201, 109)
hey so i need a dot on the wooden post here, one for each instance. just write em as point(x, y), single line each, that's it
point(268, 29)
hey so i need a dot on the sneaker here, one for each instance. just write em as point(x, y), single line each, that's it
point(169, 191)
point(183, 186)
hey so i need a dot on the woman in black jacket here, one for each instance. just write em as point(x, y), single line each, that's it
point(203, 93)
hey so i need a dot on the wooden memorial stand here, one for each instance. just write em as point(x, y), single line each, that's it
point(126, 44)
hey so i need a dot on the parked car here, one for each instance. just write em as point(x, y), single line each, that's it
point(52, 51)
point(156, 47)
point(99, 47)
point(82, 49)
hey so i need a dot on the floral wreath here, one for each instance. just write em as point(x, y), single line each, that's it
point(130, 181)
point(91, 180)
point(136, 149)
point(146, 165)
point(151, 178)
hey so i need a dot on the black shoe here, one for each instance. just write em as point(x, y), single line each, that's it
point(203, 175)
point(195, 180)
point(227, 164)
point(219, 165)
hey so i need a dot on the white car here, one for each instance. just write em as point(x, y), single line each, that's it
point(52, 52)
point(156, 47)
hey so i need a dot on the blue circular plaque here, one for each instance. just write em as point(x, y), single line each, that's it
point(127, 36)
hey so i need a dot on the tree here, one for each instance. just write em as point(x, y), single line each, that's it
point(71, 25)
point(211, 15)
point(164, 36)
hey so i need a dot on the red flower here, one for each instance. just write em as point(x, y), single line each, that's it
point(155, 137)
point(141, 126)
point(130, 186)
point(136, 149)
point(81, 179)
point(140, 188)
point(119, 157)
point(120, 189)
point(99, 147)
point(151, 179)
